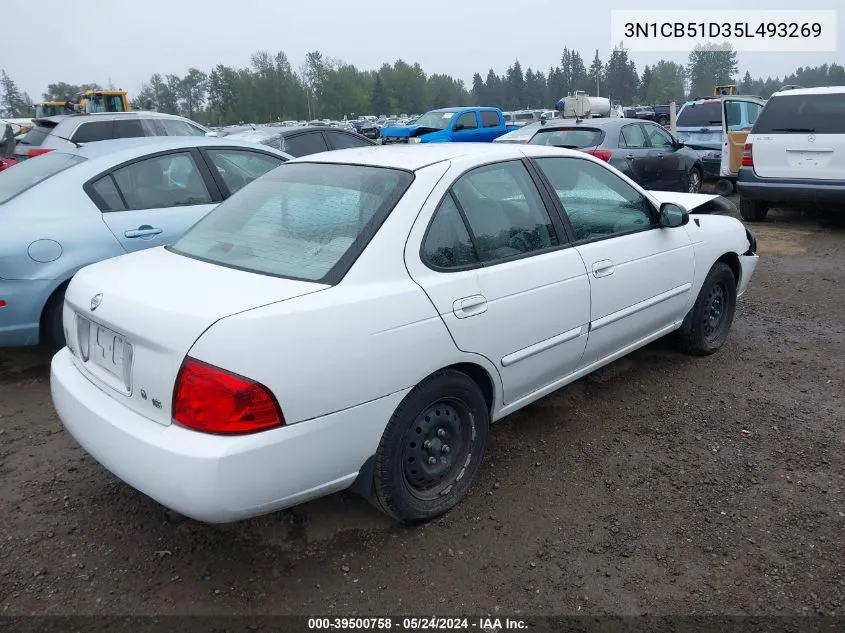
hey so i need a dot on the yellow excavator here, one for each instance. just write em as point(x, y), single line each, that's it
point(724, 91)
point(86, 102)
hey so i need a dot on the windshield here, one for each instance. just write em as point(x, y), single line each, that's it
point(45, 110)
point(17, 179)
point(701, 114)
point(802, 114)
point(436, 120)
point(305, 221)
point(574, 138)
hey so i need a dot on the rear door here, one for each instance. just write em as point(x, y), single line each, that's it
point(496, 265)
point(154, 200)
point(634, 159)
point(491, 125)
point(801, 136)
point(669, 163)
point(466, 128)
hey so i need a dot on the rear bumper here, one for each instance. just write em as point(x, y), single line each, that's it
point(214, 478)
point(20, 318)
point(789, 190)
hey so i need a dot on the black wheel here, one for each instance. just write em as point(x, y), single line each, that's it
point(52, 328)
point(694, 180)
point(706, 327)
point(432, 448)
point(752, 210)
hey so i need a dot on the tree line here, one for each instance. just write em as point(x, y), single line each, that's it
point(270, 89)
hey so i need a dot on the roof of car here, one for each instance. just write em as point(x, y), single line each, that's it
point(824, 90)
point(129, 147)
point(602, 123)
point(462, 108)
point(414, 157)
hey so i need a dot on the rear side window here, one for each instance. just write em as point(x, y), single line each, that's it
point(447, 242)
point(238, 168)
point(36, 135)
point(701, 114)
point(305, 144)
point(802, 114)
point(571, 137)
point(94, 131)
point(524, 116)
point(175, 127)
point(30, 172)
point(303, 220)
point(339, 140)
point(129, 128)
point(489, 119)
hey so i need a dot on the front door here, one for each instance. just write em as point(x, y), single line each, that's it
point(466, 128)
point(502, 277)
point(640, 274)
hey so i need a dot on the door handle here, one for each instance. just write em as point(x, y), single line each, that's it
point(630, 156)
point(469, 306)
point(143, 231)
point(603, 268)
point(660, 155)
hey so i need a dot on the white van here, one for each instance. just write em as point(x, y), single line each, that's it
point(795, 153)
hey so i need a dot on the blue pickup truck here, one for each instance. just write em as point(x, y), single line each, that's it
point(466, 125)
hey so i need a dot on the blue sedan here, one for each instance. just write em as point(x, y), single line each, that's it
point(70, 208)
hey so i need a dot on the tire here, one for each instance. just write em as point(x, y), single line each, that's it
point(752, 210)
point(52, 328)
point(444, 418)
point(706, 326)
point(694, 180)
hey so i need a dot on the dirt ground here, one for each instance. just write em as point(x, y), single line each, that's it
point(663, 484)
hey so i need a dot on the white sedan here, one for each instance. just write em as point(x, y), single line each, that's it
point(362, 316)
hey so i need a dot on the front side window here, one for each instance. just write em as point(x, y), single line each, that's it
point(170, 180)
point(466, 121)
point(505, 212)
point(658, 138)
point(303, 220)
point(447, 243)
point(599, 203)
point(238, 168)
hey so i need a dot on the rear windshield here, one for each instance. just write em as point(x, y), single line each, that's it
point(524, 116)
point(523, 134)
point(802, 114)
point(17, 179)
point(306, 221)
point(571, 137)
point(701, 114)
point(37, 134)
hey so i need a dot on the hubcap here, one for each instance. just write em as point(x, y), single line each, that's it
point(436, 449)
point(714, 311)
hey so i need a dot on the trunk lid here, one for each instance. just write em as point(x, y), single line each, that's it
point(141, 313)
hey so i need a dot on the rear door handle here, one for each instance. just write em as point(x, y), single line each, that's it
point(660, 155)
point(631, 156)
point(603, 268)
point(469, 306)
point(143, 231)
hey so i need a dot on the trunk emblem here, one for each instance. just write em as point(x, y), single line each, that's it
point(811, 138)
point(96, 300)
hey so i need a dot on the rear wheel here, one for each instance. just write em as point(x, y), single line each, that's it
point(52, 328)
point(752, 210)
point(706, 327)
point(432, 448)
point(694, 180)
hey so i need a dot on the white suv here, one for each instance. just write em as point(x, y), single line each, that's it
point(795, 153)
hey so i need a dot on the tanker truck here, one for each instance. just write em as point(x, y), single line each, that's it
point(583, 106)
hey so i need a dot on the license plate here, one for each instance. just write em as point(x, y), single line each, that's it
point(109, 350)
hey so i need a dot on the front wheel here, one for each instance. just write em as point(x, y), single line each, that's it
point(706, 326)
point(694, 180)
point(432, 448)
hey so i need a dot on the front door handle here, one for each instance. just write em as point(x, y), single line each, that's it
point(143, 231)
point(660, 155)
point(603, 268)
point(469, 306)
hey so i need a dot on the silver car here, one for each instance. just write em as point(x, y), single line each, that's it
point(71, 130)
point(76, 206)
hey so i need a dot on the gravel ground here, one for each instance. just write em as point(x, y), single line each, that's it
point(662, 484)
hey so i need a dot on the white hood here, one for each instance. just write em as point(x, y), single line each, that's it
point(695, 202)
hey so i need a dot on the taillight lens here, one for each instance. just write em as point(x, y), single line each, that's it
point(603, 154)
point(747, 156)
point(213, 400)
point(32, 153)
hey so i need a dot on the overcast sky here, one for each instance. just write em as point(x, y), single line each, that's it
point(126, 42)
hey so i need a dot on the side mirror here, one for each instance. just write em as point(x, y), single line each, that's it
point(212, 134)
point(679, 144)
point(672, 215)
point(459, 127)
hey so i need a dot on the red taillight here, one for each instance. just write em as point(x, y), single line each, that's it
point(213, 400)
point(603, 154)
point(37, 152)
point(2, 303)
point(747, 156)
